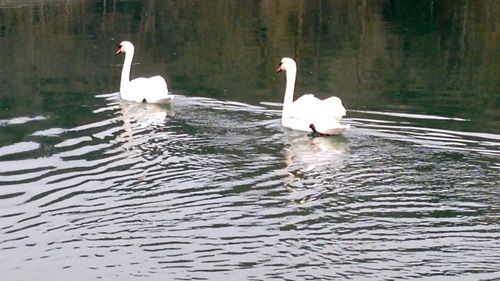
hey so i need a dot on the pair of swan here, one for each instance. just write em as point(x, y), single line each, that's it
point(307, 113)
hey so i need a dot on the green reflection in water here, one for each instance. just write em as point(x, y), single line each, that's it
point(425, 57)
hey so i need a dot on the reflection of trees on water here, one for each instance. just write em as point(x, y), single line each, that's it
point(375, 54)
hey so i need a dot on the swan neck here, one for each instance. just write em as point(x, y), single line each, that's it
point(125, 79)
point(290, 87)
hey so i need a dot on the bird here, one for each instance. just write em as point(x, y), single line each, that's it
point(149, 90)
point(308, 113)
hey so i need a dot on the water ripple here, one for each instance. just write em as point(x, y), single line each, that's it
point(206, 189)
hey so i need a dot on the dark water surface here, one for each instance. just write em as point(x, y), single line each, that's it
point(211, 186)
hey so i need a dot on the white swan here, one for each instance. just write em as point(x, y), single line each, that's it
point(309, 113)
point(151, 90)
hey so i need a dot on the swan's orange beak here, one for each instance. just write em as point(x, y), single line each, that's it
point(280, 68)
point(119, 51)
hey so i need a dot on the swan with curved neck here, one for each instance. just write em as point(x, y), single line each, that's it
point(151, 90)
point(309, 113)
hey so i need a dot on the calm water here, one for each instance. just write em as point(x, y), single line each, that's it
point(212, 186)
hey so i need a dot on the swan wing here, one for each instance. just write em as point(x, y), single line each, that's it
point(135, 90)
point(304, 107)
point(158, 90)
point(296, 122)
point(158, 83)
point(333, 105)
point(312, 106)
point(306, 104)
point(330, 112)
point(324, 114)
point(151, 90)
point(301, 113)
point(307, 100)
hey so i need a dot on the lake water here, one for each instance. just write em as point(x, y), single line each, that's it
point(211, 186)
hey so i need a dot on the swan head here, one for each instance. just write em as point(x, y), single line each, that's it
point(125, 47)
point(287, 64)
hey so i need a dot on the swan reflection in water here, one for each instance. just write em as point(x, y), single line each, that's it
point(140, 121)
point(311, 161)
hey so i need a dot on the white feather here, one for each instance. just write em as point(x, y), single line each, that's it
point(308, 109)
point(150, 90)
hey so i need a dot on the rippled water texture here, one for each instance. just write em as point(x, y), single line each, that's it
point(211, 186)
point(205, 188)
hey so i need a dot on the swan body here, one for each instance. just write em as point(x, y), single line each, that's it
point(150, 90)
point(308, 113)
